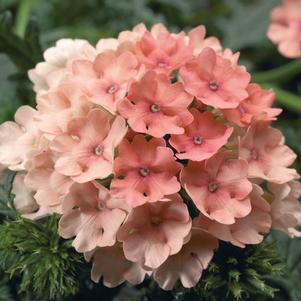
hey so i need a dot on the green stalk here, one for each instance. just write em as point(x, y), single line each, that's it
point(22, 16)
point(284, 72)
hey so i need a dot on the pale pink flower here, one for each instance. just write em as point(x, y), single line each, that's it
point(86, 151)
point(153, 232)
point(267, 156)
point(58, 59)
point(246, 230)
point(92, 216)
point(286, 208)
point(145, 171)
point(20, 140)
point(49, 186)
point(189, 264)
point(161, 51)
point(285, 29)
point(57, 108)
point(219, 187)
point(110, 265)
point(202, 138)
point(105, 80)
point(23, 196)
point(198, 42)
point(214, 81)
point(156, 107)
point(258, 106)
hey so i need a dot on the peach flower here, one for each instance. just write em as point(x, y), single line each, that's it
point(92, 216)
point(258, 106)
point(145, 171)
point(202, 138)
point(187, 265)
point(47, 75)
point(106, 80)
point(198, 42)
point(267, 156)
point(219, 187)
point(285, 29)
point(246, 230)
point(57, 108)
point(50, 187)
point(162, 52)
point(214, 81)
point(286, 208)
point(86, 151)
point(153, 232)
point(156, 107)
point(110, 264)
point(20, 140)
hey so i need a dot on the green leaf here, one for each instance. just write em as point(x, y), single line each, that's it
point(6, 197)
point(25, 53)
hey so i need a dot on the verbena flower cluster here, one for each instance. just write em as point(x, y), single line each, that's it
point(129, 136)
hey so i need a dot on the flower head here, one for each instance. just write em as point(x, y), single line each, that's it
point(214, 81)
point(156, 107)
point(219, 187)
point(145, 171)
point(86, 151)
point(92, 216)
point(267, 156)
point(153, 232)
point(202, 138)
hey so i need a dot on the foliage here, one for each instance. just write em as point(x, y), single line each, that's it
point(43, 262)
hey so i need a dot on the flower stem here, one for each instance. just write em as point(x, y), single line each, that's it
point(22, 16)
point(284, 72)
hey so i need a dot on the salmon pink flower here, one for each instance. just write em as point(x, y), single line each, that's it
point(92, 216)
point(106, 80)
point(246, 230)
point(153, 232)
point(286, 208)
point(214, 81)
point(258, 106)
point(202, 138)
point(187, 265)
point(58, 59)
point(285, 30)
point(198, 42)
point(110, 264)
point(267, 156)
point(86, 151)
point(219, 187)
point(162, 52)
point(145, 171)
point(156, 107)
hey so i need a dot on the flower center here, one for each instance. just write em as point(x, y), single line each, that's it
point(254, 154)
point(144, 171)
point(98, 150)
point(213, 85)
point(112, 89)
point(156, 220)
point(197, 140)
point(241, 109)
point(212, 187)
point(162, 64)
point(100, 206)
point(154, 108)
